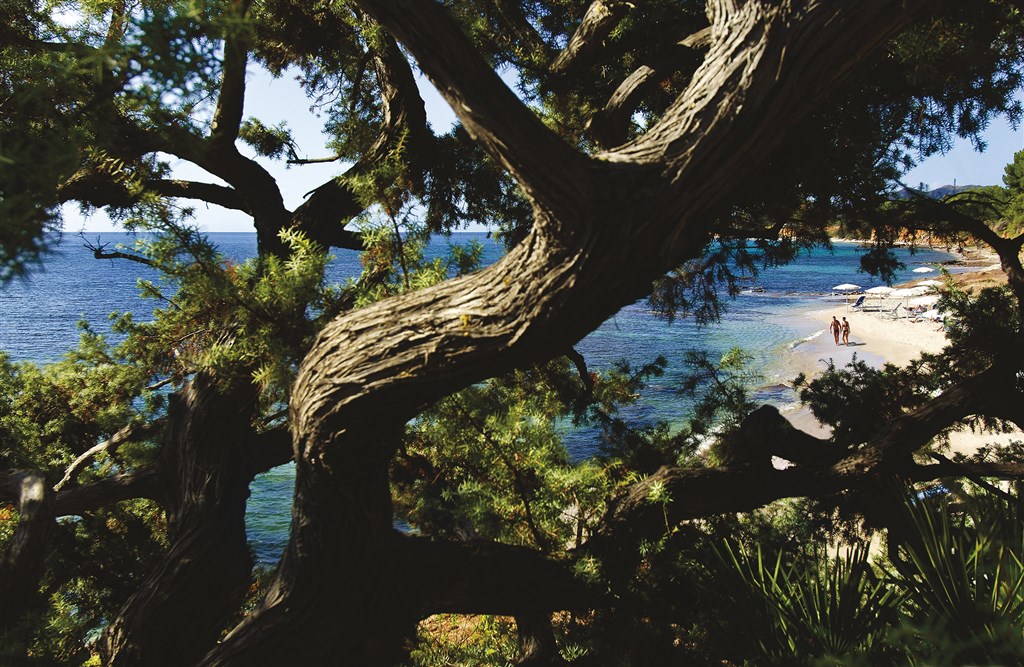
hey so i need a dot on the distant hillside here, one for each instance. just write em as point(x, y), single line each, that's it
point(937, 193)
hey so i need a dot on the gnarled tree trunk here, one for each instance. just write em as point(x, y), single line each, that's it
point(180, 610)
point(21, 565)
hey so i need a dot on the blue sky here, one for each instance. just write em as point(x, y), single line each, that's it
point(276, 100)
point(965, 166)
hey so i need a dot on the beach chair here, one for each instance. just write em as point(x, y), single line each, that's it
point(890, 313)
point(859, 302)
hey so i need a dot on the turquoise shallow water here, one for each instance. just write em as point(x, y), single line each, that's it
point(38, 320)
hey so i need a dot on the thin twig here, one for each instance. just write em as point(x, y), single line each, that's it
point(130, 433)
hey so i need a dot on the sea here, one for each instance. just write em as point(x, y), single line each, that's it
point(39, 318)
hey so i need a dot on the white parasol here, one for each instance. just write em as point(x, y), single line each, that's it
point(846, 287)
point(925, 300)
point(881, 289)
point(908, 291)
point(923, 269)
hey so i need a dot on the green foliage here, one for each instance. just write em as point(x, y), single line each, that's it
point(48, 417)
point(693, 288)
point(38, 146)
point(465, 186)
point(449, 639)
point(1013, 175)
point(813, 609)
point(858, 400)
point(273, 142)
point(966, 578)
point(96, 563)
point(169, 58)
point(953, 597)
point(257, 317)
point(394, 260)
point(490, 462)
point(979, 327)
point(722, 389)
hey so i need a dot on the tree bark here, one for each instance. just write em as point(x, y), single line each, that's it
point(21, 565)
point(599, 20)
point(537, 647)
point(180, 610)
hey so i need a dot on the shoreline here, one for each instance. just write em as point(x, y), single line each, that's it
point(877, 341)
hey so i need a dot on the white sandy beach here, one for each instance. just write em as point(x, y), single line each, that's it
point(873, 338)
point(876, 340)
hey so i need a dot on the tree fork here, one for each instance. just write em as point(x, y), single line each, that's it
point(336, 597)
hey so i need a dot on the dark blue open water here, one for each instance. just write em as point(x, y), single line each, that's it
point(38, 319)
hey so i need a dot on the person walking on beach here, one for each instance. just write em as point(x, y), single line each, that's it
point(846, 332)
point(835, 328)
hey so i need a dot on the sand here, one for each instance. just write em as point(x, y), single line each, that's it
point(874, 338)
point(877, 340)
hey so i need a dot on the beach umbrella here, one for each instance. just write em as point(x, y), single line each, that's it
point(932, 314)
point(923, 269)
point(907, 291)
point(929, 283)
point(846, 287)
point(925, 300)
point(879, 292)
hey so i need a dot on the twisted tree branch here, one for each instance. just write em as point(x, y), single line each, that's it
point(599, 20)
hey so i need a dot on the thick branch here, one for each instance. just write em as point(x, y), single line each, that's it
point(142, 483)
point(323, 216)
point(765, 429)
point(822, 468)
point(766, 61)
point(99, 189)
point(943, 213)
point(947, 469)
point(271, 449)
point(180, 607)
point(700, 40)
point(610, 125)
point(253, 189)
point(907, 433)
point(537, 645)
point(523, 34)
point(487, 578)
point(599, 20)
point(207, 192)
point(504, 127)
point(227, 118)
